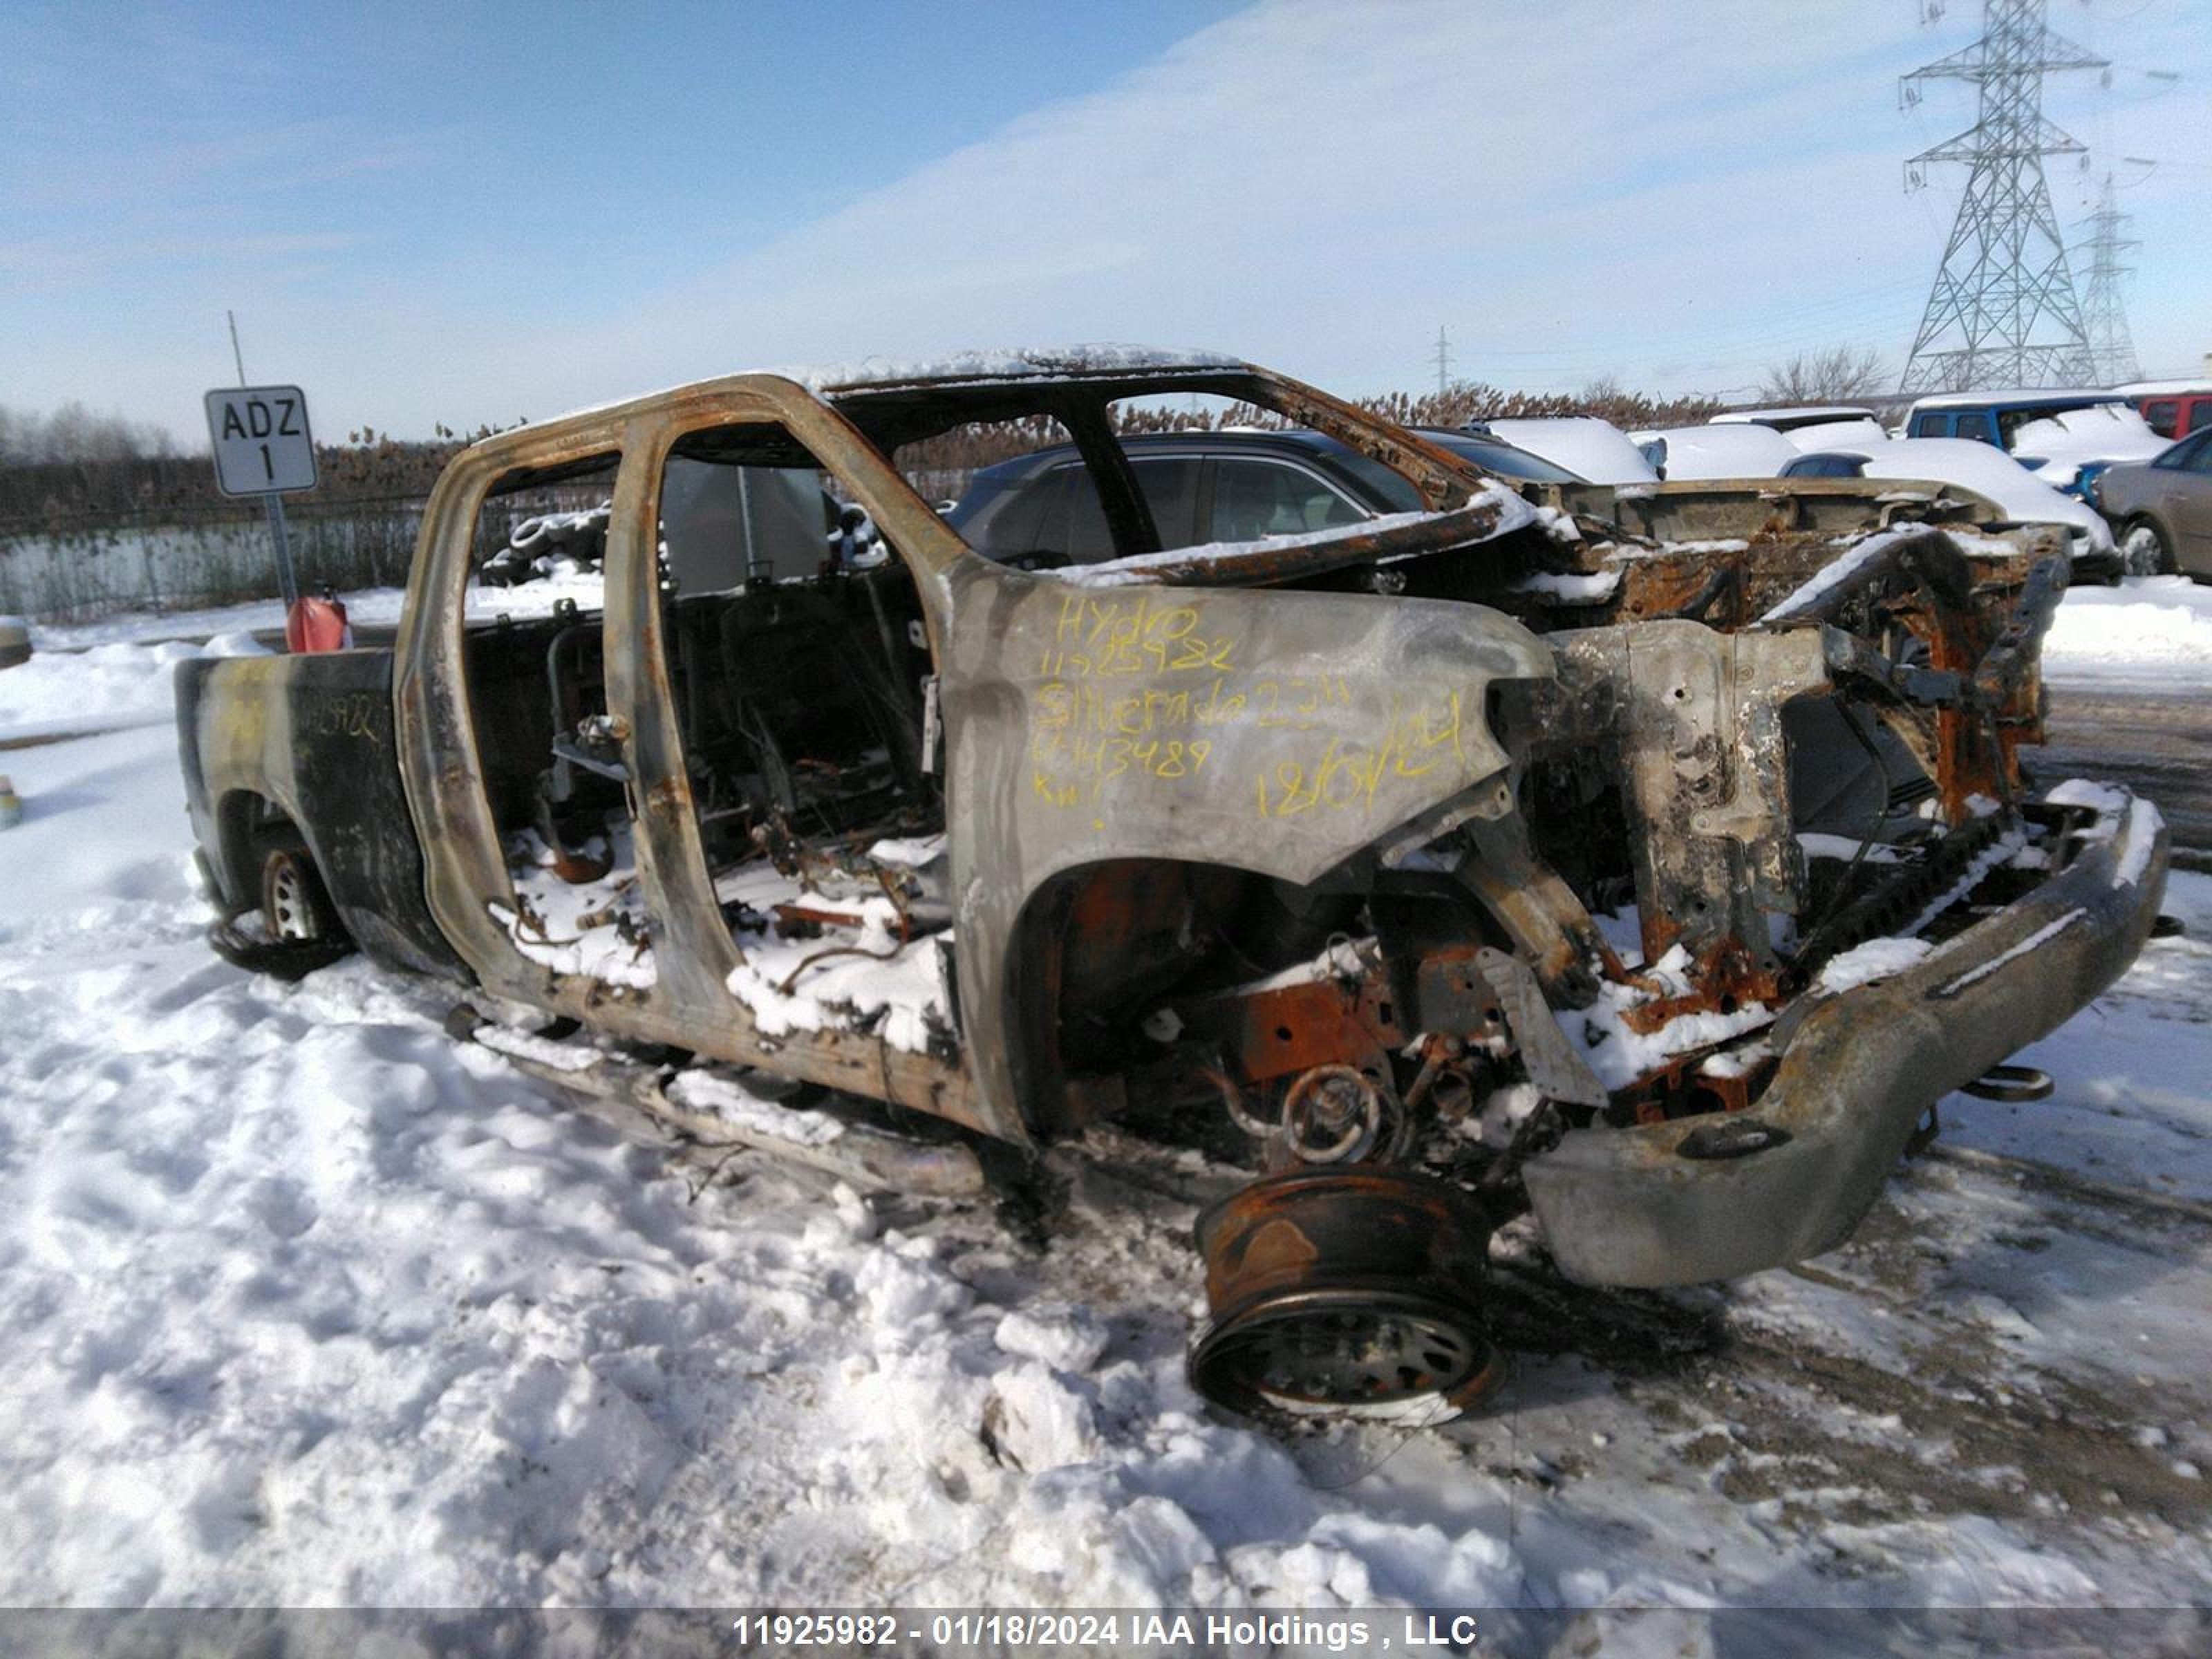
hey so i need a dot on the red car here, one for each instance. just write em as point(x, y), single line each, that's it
point(2173, 409)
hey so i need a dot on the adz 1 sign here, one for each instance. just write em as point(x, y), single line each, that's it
point(262, 446)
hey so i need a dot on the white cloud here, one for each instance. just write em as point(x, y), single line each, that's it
point(1681, 194)
point(1318, 187)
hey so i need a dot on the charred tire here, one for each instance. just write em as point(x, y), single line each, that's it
point(279, 958)
point(2144, 549)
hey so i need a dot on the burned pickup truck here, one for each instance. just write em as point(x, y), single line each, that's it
point(1650, 860)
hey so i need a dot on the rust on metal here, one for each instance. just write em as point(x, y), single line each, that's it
point(1277, 1033)
point(1347, 1287)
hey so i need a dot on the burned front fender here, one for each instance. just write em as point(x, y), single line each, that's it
point(1279, 733)
point(1718, 1195)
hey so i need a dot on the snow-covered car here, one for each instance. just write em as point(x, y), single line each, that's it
point(1850, 432)
point(1648, 861)
point(2020, 496)
point(2065, 438)
point(1735, 451)
point(1584, 444)
point(1789, 418)
point(2162, 511)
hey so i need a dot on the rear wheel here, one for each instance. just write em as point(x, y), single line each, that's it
point(2143, 551)
point(295, 906)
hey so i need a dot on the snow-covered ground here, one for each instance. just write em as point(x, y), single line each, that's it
point(102, 688)
point(368, 607)
point(308, 1304)
point(2152, 630)
point(116, 672)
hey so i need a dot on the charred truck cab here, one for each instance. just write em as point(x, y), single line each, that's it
point(1652, 859)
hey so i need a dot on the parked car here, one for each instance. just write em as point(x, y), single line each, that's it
point(1857, 449)
point(2173, 409)
point(1850, 432)
point(2020, 496)
point(2162, 511)
point(1042, 510)
point(1297, 845)
point(1585, 445)
point(1742, 450)
point(2065, 437)
point(1790, 419)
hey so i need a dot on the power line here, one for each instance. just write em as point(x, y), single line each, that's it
point(2003, 310)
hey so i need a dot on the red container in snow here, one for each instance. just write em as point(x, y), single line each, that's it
point(314, 625)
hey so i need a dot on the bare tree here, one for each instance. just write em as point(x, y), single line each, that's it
point(74, 433)
point(1830, 375)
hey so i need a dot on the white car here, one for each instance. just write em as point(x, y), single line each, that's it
point(1848, 432)
point(1790, 419)
point(1967, 464)
point(1732, 451)
point(1586, 447)
point(2104, 435)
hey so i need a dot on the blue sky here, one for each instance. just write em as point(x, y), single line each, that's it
point(477, 213)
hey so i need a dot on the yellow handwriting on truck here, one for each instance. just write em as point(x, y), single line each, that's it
point(1345, 774)
point(1084, 735)
point(1114, 638)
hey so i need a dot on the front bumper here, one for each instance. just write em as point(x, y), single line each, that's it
point(1650, 1206)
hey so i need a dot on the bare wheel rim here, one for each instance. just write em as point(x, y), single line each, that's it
point(1345, 1359)
point(287, 900)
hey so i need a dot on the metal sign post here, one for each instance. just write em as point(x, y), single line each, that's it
point(263, 447)
point(267, 424)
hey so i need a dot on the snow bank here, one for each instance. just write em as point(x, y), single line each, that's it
point(103, 687)
point(374, 607)
point(308, 1305)
point(2150, 629)
point(108, 686)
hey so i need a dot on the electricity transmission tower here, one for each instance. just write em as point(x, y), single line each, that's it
point(2002, 311)
point(1442, 359)
point(2112, 348)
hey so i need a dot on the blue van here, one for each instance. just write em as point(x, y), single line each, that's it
point(1996, 417)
